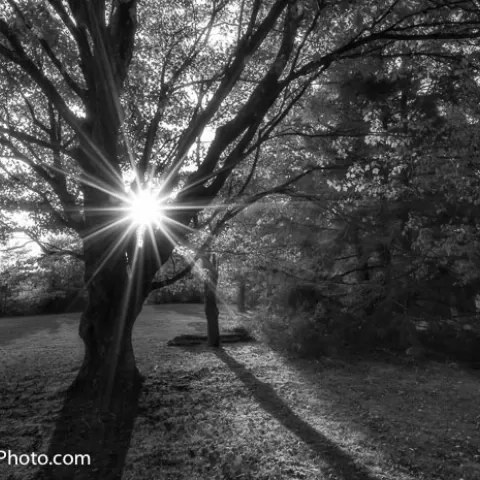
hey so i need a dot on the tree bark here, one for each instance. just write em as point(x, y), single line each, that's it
point(211, 307)
point(106, 330)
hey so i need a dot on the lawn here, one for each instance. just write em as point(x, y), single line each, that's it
point(247, 412)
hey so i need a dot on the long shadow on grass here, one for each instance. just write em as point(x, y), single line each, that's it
point(81, 428)
point(266, 396)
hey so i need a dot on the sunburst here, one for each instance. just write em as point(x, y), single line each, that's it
point(146, 208)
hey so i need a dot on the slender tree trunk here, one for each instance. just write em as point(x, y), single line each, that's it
point(241, 295)
point(211, 307)
point(363, 271)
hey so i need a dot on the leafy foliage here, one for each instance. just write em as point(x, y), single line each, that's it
point(390, 230)
point(34, 284)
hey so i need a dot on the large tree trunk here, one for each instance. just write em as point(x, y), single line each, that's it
point(106, 330)
point(100, 406)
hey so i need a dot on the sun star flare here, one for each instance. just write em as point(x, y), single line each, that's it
point(146, 208)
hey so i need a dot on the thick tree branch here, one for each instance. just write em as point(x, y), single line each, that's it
point(122, 28)
point(229, 215)
point(425, 31)
point(166, 89)
point(249, 44)
point(249, 116)
point(81, 92)
point(20, 58)
point(51, 55)
point(26, 137)
point(78, 35)
point(178, 276)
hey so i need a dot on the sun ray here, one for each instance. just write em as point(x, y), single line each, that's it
point(174, 240)
point(119, 331)
point(154, 243)
point(105, 189)
point(112, 250)
point(104, 261)
point(178, 224)
point(104, 229)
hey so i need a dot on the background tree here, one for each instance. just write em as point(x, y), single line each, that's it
point(384, 226)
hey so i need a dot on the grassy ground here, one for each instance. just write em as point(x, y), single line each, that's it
point(246, 412)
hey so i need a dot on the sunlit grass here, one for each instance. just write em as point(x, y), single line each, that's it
point(396, 422)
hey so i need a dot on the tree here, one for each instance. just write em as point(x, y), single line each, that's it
point(97, 96)
point(210, 267)
point(403, 205)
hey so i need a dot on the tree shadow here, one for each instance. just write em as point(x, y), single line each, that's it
point(82, 429)
point(265, 395)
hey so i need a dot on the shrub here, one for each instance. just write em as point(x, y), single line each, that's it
point(313, 320)
point(301, 334)
point(63, 302)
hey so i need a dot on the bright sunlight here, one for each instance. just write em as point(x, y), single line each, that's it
point(146, 208)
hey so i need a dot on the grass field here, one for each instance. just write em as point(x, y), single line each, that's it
point(247, 412)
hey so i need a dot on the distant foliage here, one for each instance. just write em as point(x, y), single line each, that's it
point(185, 290)
point(34, 284)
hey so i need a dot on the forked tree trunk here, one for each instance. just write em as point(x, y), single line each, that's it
point(211, 307)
